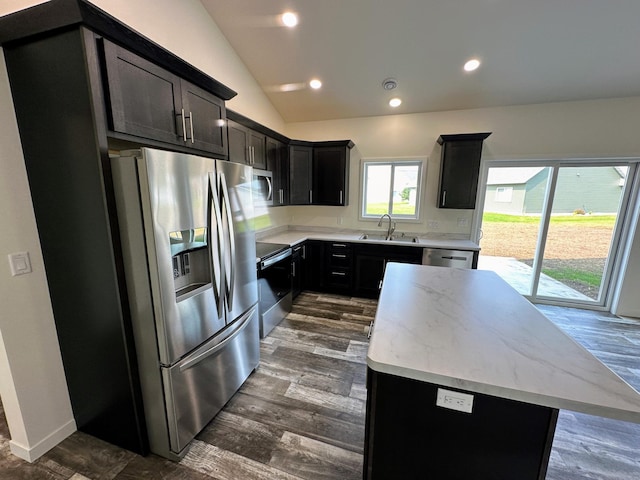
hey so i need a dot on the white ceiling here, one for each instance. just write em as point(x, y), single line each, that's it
point(533, 51)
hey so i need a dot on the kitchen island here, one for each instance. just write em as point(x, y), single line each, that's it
point(466, 377)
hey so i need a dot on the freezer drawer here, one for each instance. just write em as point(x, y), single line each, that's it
point(447, 258)
point(201, 384)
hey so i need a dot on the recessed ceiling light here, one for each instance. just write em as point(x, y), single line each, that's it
point(471, 65)
point(315, 84)
point(289, 19)
point(395, 102)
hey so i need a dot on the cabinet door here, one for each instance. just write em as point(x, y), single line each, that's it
point(369, 270)
point(257, 150)
point(314, 265)
point(330, 176)
point(300, 163)
point(460, 169)
point(141, 97)
point(370, 264)
point(238, 136)
point(297, 269)
point(276, 162)
point(204, 115)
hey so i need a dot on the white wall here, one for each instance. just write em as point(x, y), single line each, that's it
point(32, 383)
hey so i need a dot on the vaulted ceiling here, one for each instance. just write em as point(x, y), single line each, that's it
point(531, 52)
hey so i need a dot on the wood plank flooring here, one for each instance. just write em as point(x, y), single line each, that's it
point(301, 414)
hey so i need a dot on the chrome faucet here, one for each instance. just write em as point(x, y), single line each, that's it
point(390, 229)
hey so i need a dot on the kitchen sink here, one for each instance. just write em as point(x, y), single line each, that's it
point(374, 237)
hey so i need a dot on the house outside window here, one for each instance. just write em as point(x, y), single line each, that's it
point(391, 186)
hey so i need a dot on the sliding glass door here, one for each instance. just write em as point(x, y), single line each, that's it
point(552, 229)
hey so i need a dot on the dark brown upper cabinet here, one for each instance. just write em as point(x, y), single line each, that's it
point(331, 173)
point(278, 163)
point(319, 172)
point(300, 174)
point(145, 100)
point(459, 170)
point(246, 145)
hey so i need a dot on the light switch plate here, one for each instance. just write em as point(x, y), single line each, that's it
point(19, 263)
point(462, 402)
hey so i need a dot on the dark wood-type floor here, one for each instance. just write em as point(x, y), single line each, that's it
point(301, 414)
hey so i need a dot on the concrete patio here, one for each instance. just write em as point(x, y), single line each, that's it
point(519, 275)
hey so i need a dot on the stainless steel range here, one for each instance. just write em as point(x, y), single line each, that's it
point(274, 284)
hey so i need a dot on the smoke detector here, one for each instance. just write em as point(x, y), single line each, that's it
point(389, 83)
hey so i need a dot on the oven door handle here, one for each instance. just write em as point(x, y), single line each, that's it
point(275, 259)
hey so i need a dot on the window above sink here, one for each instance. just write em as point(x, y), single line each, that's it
point(391, 186)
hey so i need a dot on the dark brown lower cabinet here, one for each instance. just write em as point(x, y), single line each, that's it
point(314, 266)
point(298, 260)
point(370, 262)
point(408, 436)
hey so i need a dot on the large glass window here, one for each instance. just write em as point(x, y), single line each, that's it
point(391, 186)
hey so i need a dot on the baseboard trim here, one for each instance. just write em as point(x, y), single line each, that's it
point(32, 453)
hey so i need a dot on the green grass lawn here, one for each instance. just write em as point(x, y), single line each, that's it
point(592, 220)
point(398, 209)
point(568, 274)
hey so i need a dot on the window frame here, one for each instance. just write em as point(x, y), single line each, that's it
point(393, 162)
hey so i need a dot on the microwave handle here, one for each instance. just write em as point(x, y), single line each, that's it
point(270, 194)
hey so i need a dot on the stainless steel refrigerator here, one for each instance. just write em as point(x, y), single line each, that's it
point(186, 228)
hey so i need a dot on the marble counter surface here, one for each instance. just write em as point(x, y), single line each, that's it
point(293, 237)
point(469, 329)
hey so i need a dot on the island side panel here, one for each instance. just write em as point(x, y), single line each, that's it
point(408, 436)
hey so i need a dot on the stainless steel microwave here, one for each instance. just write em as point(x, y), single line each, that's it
point(263, 187)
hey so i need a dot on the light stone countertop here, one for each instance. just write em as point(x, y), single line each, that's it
point(293, 237)
point(469, 329)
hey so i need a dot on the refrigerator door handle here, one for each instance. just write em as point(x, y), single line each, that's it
point(238, 327)
point(217, 257)
point(232, 239)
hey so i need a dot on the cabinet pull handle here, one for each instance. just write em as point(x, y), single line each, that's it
point(293, 269)
point(340, 274)
point(338, 255)
point(304, 252)
point(191, 126)
point(380, 285)
point(444, 198)
point(184, 125)
point(340, 196)
point(342, 245)
point(310, 196)
point(281, 197)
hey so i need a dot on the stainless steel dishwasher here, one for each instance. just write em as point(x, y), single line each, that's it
point(447, 258)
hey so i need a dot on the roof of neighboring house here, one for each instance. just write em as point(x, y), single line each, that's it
point(622, 171)
point(512, 176)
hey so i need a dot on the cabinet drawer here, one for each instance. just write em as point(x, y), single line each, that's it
point(339, 277)
point(339, 259)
